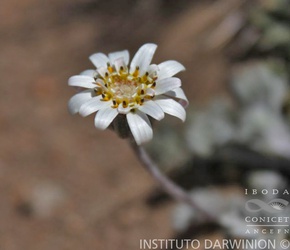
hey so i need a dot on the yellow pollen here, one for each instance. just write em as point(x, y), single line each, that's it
point(110, 69)
point(124, 88)
point(136, 72)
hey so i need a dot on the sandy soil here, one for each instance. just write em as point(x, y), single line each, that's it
point(64, 184)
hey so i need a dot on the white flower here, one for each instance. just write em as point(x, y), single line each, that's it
point(117, 89)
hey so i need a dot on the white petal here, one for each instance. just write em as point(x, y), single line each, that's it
point(171, 107)
point(169, 68)
point(179, 94)
point(140, 127)
point(101, 82)
point(167, 84)
point(150, 92)
point(88, 72)
point(99, 60)
point(81, 81)
point(152, 109)
point(104, 117)
point(123, 110)
point(153, 68)
point(102, 71)
point(143, 57)
point(93, 105)
point(77, 100)
point(120, 63)
point(119, 54)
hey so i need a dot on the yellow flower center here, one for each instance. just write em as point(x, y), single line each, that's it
point(122, 87)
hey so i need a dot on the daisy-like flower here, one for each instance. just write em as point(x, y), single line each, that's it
point(116, 90)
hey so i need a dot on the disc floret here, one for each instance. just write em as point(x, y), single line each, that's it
point(125, 90)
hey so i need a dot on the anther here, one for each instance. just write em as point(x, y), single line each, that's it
point(147, 73)
point(97, 91)
point(136, 72)
point(109, 67)
point(106, 74)
point(121, 68)
point(103, 95)
point(153, 84)
point(142, 92)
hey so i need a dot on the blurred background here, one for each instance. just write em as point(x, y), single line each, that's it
point(66, 185)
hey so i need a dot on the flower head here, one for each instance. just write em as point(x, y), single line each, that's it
point(133, 91)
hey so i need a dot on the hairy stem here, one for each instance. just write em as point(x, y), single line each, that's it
point(169, 186)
